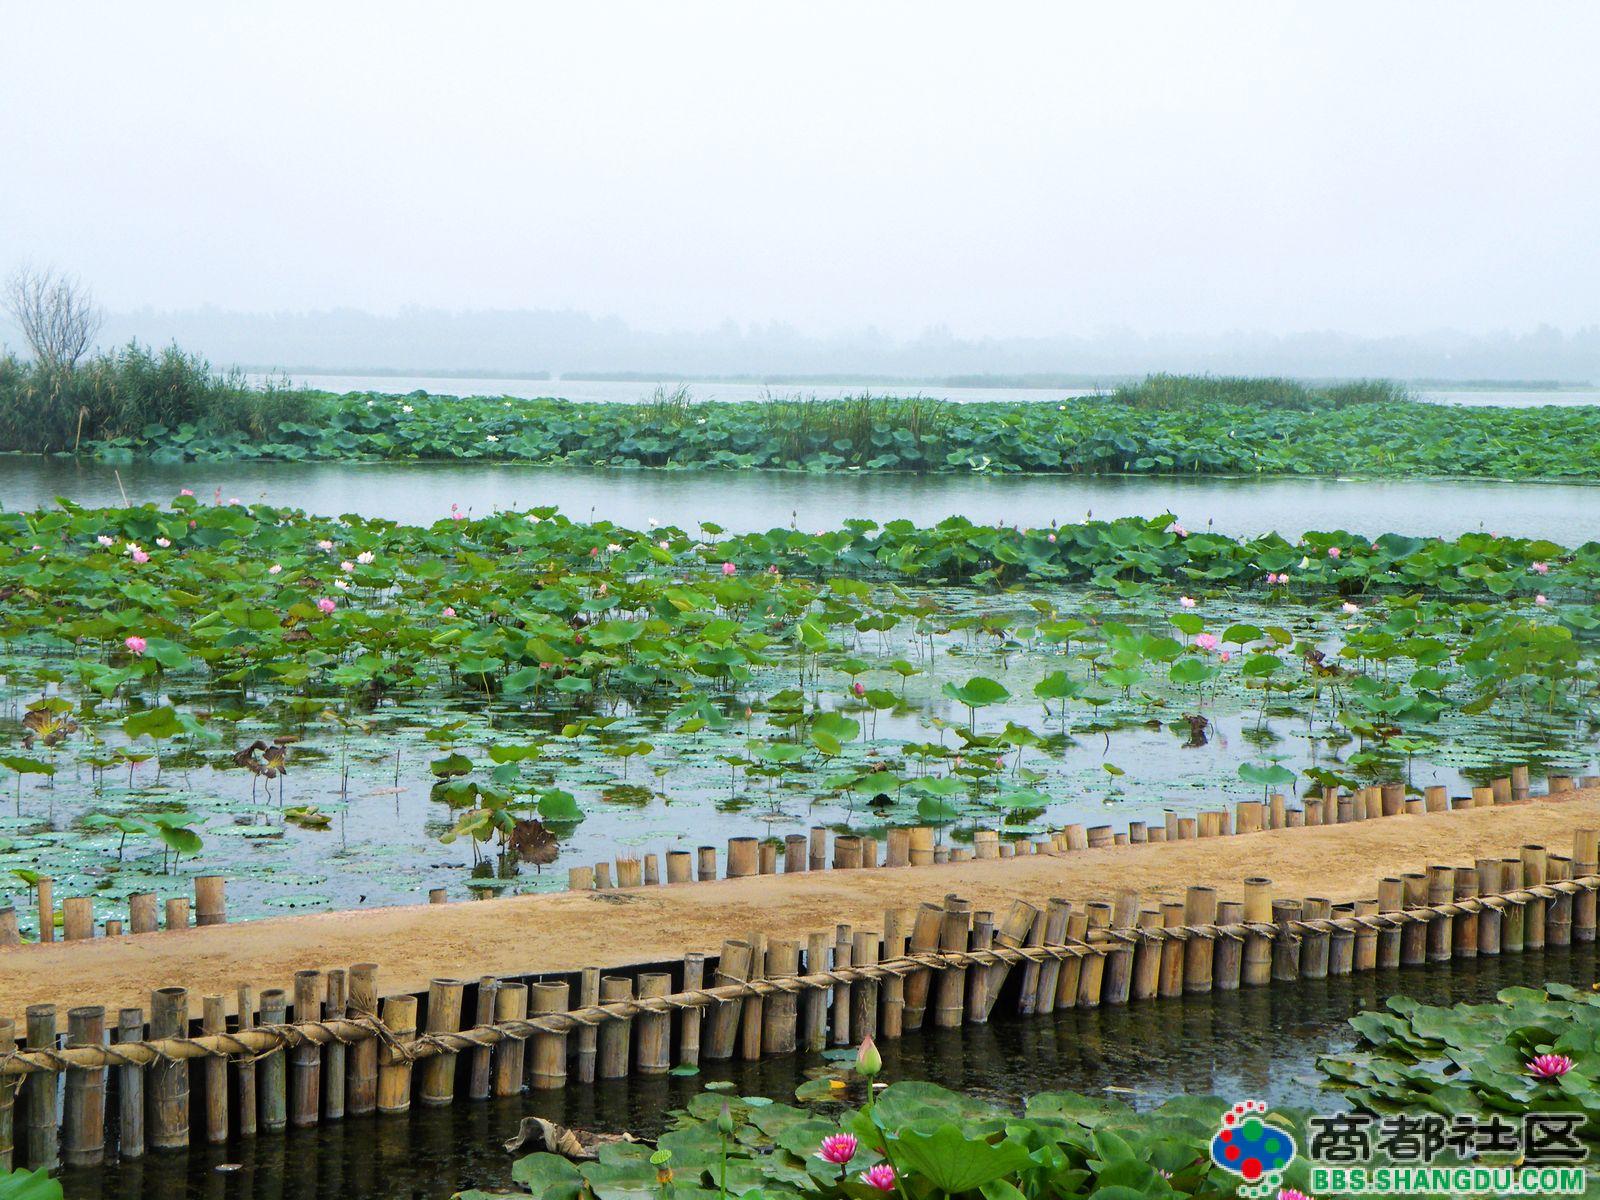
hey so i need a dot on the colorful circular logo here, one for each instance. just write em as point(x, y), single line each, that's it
point(1250, 1147)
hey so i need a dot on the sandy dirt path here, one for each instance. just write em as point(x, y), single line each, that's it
point(524, 935)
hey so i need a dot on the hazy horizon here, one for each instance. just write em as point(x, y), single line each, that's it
point(1361, 189)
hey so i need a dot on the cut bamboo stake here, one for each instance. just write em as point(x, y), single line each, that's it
point(680, 866)
point(1519, 784)
point(1199, 908)
point(1464, 935)
point(40, 1138)
point(921, 846)
point(779, 1016)
point(8, 1098)
point(1488, 870)
point(579, 879)
point(654, 1047)
point(1558, 909)
point(814, 1004)
point(588, 1036)
point(1391, 899)
point(1170, 980)
point(1314, 943)
point(1147, 957)
point(10, 932)
point(652, 870)
point(335, 1059)
point(1054, 934)
point(612, 1060)
point(977, 977)
point(305, 1061)
point(1227, 960)
point(1012, 933)
point(892, 1022)
point(178, 912)
point(244, 1068)
point(210, 900)
point(436, 1081)
point(843, 956)
point(754, 1012)
point(1512, 916)
point(214, 1019)
point(707, 866)
point(511, 1004)
point(1257, 968)
point(361, 1096)
point(1072, 968)
point(794, 854)
point(1286, 946)
point(548, 1067)
point(864, 950)
point(1341, 941)
point(1534, 862)
point(925, 932)
point(77, 918)
point(898, 852)
point(169, 1081)
point(950, 988)
point(272, 1074)
point(722, 1023)
point(817, 856)
point(1092, 970)
point(84, 1140)
point(1441, 890)
point(742, 857)
point(1585, 862)
point(694, 978)
point(1365, 954)
point(480, 1071)
point(394, 1078)
point(130, 1089)
point(45, 888)
point(1414, 936)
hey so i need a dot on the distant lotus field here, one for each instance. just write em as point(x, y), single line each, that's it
point(337, 712)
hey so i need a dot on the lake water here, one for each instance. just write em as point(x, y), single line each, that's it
point(614, 391)
point(420, 493)
point(1256, 1043)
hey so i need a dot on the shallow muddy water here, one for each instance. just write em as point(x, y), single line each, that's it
point(741, 502)
point(1257, 1043)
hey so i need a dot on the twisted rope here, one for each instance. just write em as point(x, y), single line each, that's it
point(262, 1040)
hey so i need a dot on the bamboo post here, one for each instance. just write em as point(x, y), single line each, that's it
point(244, 1069)
point(602, 876)
point(1414, 934)
point(892, 1021)
point(1392, 798)
point(1117, 982)
point(754, 1009)
point(630, 872)
point(511, 1004)
point(361, 1096)
point(680, 866)
point(1585, 862)
point(77, 918)
point(210, 902)
point(843, 956)
point(394, 1078)
point(978, 976)
point(1012, 933)
point(778, 1034)
point(869, 851)
point(652, 869)
point(480, 1071)
point(40, 1137)
point(1365, 957)
point(612, 1061)
point(579, 879)
point(706, 869)
point(1147, 957)
point(1275, 805)
point(305, 1060)
point(272, 1074)
point(1286, 946)
point(84, 1140)
point(1534, 863)
point(130, 1089)
point(1170, 980)
point(214, 1019)
point(1513, 915)
point(588, 1036)
point(950, 988)
point(575, 880)
point(1071, 973)
point(1199, 908)
point(817, 857)
point(178, 912)
point(10, 932)
point(1558, 910)
point(1228, 953)
point(925, 932)
point(1391, 899)
point(864, 950)
point(921, 846)
point(1519, 783)
point(654, 1048)
point(1092, 969)
point(45, 888)
point(722, 1025)
point(743, 857)
point(8, 1097)
point(1341, 942)
point(169, 1081)
point(1313, 811)
point(1257, 967)
point(814, 1004)
point(436, 1081)
point(1500, 788)
point(898, 853)
point(1314, 943)
point(846, 852)
point(1441, 890)
point(1488, 883)
point(1464, 934)
point(1054, 934)
point(548, 1069)
point(694, 978)
point(794, 854)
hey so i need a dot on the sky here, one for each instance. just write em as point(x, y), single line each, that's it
point(996, 170)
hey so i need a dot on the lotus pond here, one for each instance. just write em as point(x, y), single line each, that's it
point(343, 712)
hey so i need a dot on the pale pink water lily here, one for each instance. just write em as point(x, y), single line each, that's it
point(613, 547)
point(773, 569)
point(364, 557)
point(1539, 599)
point(838, 1149)
point(1186, 601)
point(325, 604)
point(131, 548)
point(139, 556)
point(1550, 1066)
point(274, 569)
point(1292, 1194)
point(664, 544)
point(135, 643)
point(234, 500)
point(858, 689)
point(1206, 641)
point(728, 568)
point(1178, 530)
point(324, 544)
point(185, 491)
point(449, 611)
point(342, 584)
point(347, 566)
point(1539, 568)
point(164, 543)
point(1350, 608)
point(1051, 539)
point(1334, 552)
point(880, 1177)
point(1225, 656)
point(104, 540)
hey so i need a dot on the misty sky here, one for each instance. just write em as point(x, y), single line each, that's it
point(1376, 168)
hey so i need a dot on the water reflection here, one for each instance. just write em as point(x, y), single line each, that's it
point(1259, 1042)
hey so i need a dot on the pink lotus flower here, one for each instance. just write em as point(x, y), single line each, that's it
point(185, 491)
point(342, 584)
point(837, 1149)
point(1179, 530)
point(1539, 568)
point(880, 1177)
point(1225, 656)
point(364, 557)
point(773, 569)
point(1206, 641)
point(1051, 539)
point(729, 569)
point(1186, 601)
point(324, 544)
point(347, 566)
point(164, 543)
point(103, 540)
point(1350, 608)
point(274, 569)
point(1292, 1194)
point(234, 500)
point(325, 604)
point(134, 643)
point(1539, 599)
point(1334, 552)
point(1550, 1066)
point(858, 689)
point(139, 556)
point(449, 611)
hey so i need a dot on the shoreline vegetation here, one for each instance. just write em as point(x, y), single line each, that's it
point(170, 406)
